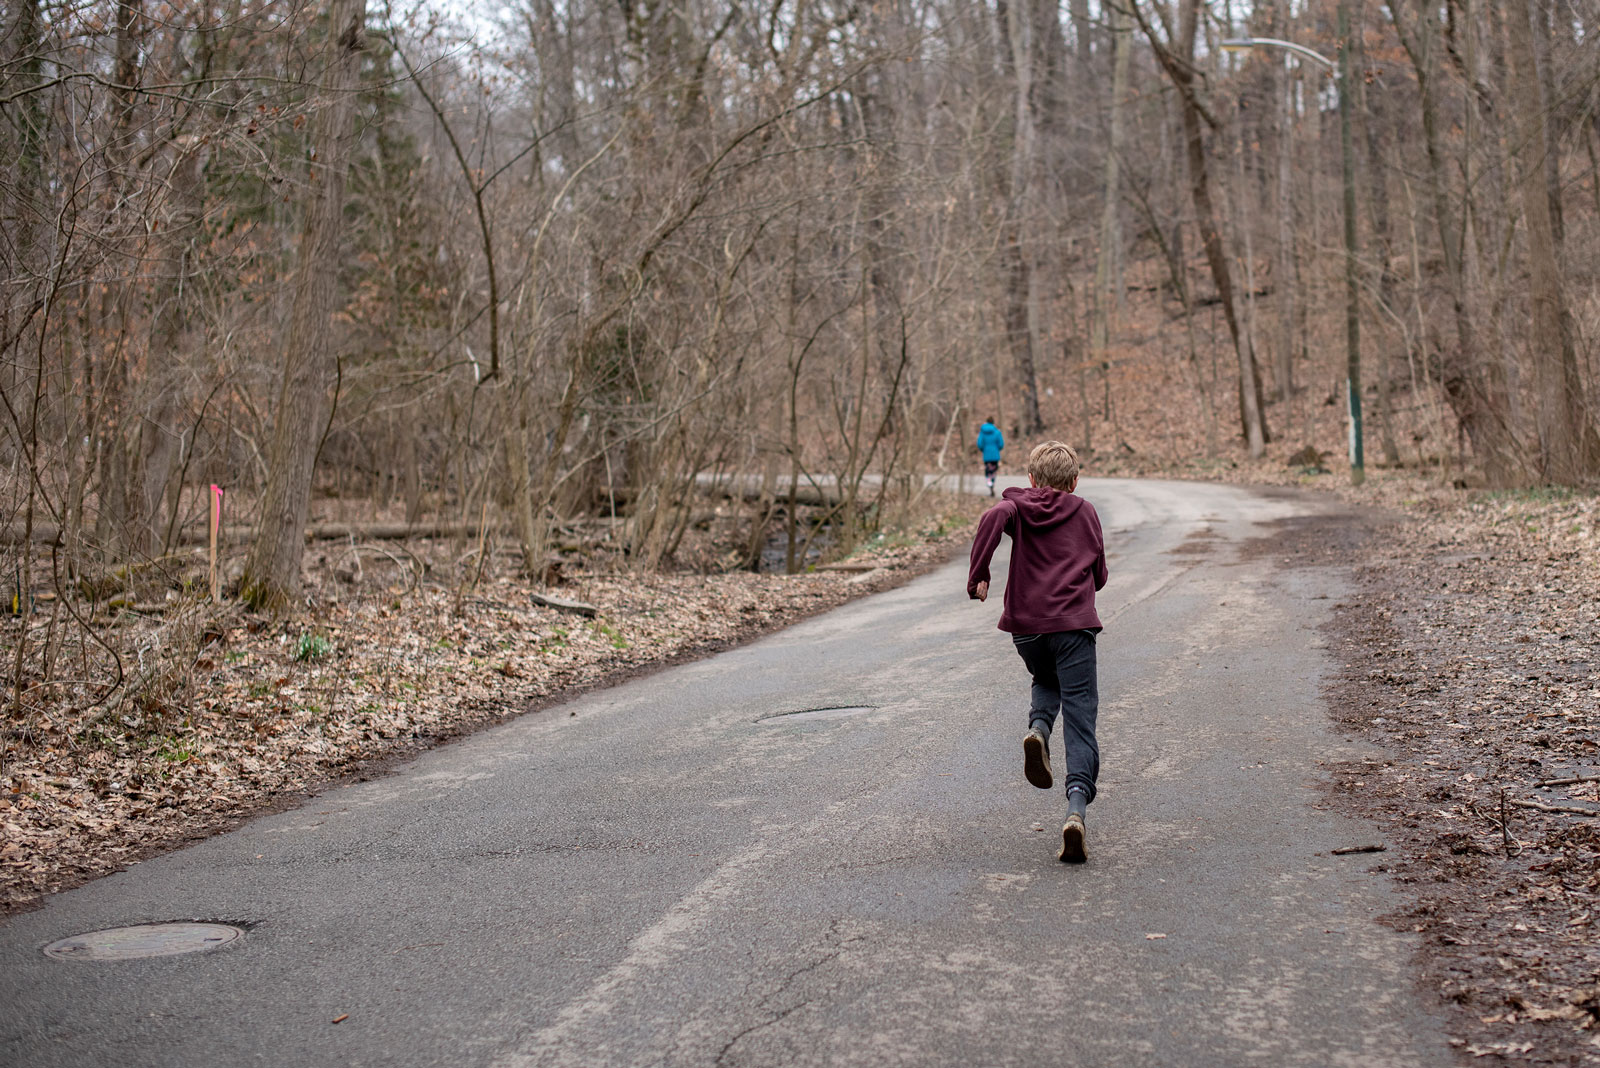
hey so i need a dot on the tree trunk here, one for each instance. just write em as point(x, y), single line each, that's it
point(1179, 65)
point(1110, 230)
point(1241, 224)
point(161, 439)
point(412, 481)
point(1082, 29)
point(515, 440)
point(1284, 290)
point(1369, 113)
point(1562, 457)
point(1474, 388)
point(272, 570)
point(1555, 123)
point(1021, 305)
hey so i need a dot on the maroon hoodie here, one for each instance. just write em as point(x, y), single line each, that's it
point(1058, 560)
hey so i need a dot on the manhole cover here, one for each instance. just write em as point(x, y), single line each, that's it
point(144, 940)
point(818, 713)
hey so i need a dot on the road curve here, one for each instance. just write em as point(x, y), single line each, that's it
point(663, 874)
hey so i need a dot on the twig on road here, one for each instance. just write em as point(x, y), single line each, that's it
point(1347, 850)
point(1566, 782)
point(1542, 807)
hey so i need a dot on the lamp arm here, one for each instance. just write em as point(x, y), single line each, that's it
point(1273, 42)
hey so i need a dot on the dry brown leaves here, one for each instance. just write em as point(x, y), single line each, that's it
point(267, 711)
point(1473, 655)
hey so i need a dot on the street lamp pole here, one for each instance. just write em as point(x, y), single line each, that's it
point(1352, 289)
point(1352, 317)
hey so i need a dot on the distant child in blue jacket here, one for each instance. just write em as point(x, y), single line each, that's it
point(990, 441)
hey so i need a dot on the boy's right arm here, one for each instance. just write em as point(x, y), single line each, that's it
point(993, 524)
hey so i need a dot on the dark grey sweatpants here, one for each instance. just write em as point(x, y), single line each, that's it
point(1064, 680)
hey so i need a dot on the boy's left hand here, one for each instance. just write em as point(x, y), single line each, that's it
point(982, 591)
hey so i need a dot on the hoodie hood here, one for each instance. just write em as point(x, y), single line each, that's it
point(1042, 507)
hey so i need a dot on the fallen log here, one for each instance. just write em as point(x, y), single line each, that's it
point(561, 604)
point(750, 489)
point(391, 531)
point(826, 497)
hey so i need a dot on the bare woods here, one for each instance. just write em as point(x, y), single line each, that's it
point(560, 263)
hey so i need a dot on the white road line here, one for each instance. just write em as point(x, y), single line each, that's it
point(655, 948)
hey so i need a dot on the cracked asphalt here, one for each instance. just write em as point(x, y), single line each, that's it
point(648, 875)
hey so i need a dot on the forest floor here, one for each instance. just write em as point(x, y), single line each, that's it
point(241, 714)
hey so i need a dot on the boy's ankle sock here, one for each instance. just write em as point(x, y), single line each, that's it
point(1040, 724)
point(1073, 833)
point(1077, 802)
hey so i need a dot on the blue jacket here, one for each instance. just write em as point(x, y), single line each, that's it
point(991, 441)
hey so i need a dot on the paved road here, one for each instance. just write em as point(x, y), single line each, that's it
point(651, 876)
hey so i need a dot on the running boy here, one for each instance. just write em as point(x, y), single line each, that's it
point(1058, 561)
point(990, 442)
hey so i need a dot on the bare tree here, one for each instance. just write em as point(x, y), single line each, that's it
point(272, 572)
point(1567, 443)
point(1178, 62)
point(1475, 388)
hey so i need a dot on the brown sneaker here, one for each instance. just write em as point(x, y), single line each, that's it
point(1072, 840)
point(1036, 759)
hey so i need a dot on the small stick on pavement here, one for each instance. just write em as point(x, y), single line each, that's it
point(1571, 809)
point(1567, 782)
point(341, 1019)
point(1347, 850)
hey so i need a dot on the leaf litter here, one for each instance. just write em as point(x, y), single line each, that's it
point(1471, 656)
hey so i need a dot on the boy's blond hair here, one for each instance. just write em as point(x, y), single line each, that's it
point(1054, 464)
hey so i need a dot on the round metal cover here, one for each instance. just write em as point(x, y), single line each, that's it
point(818, 713)
point(143, 940)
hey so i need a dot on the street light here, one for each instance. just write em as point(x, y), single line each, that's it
point(1244, 44)
point(1352, 330)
